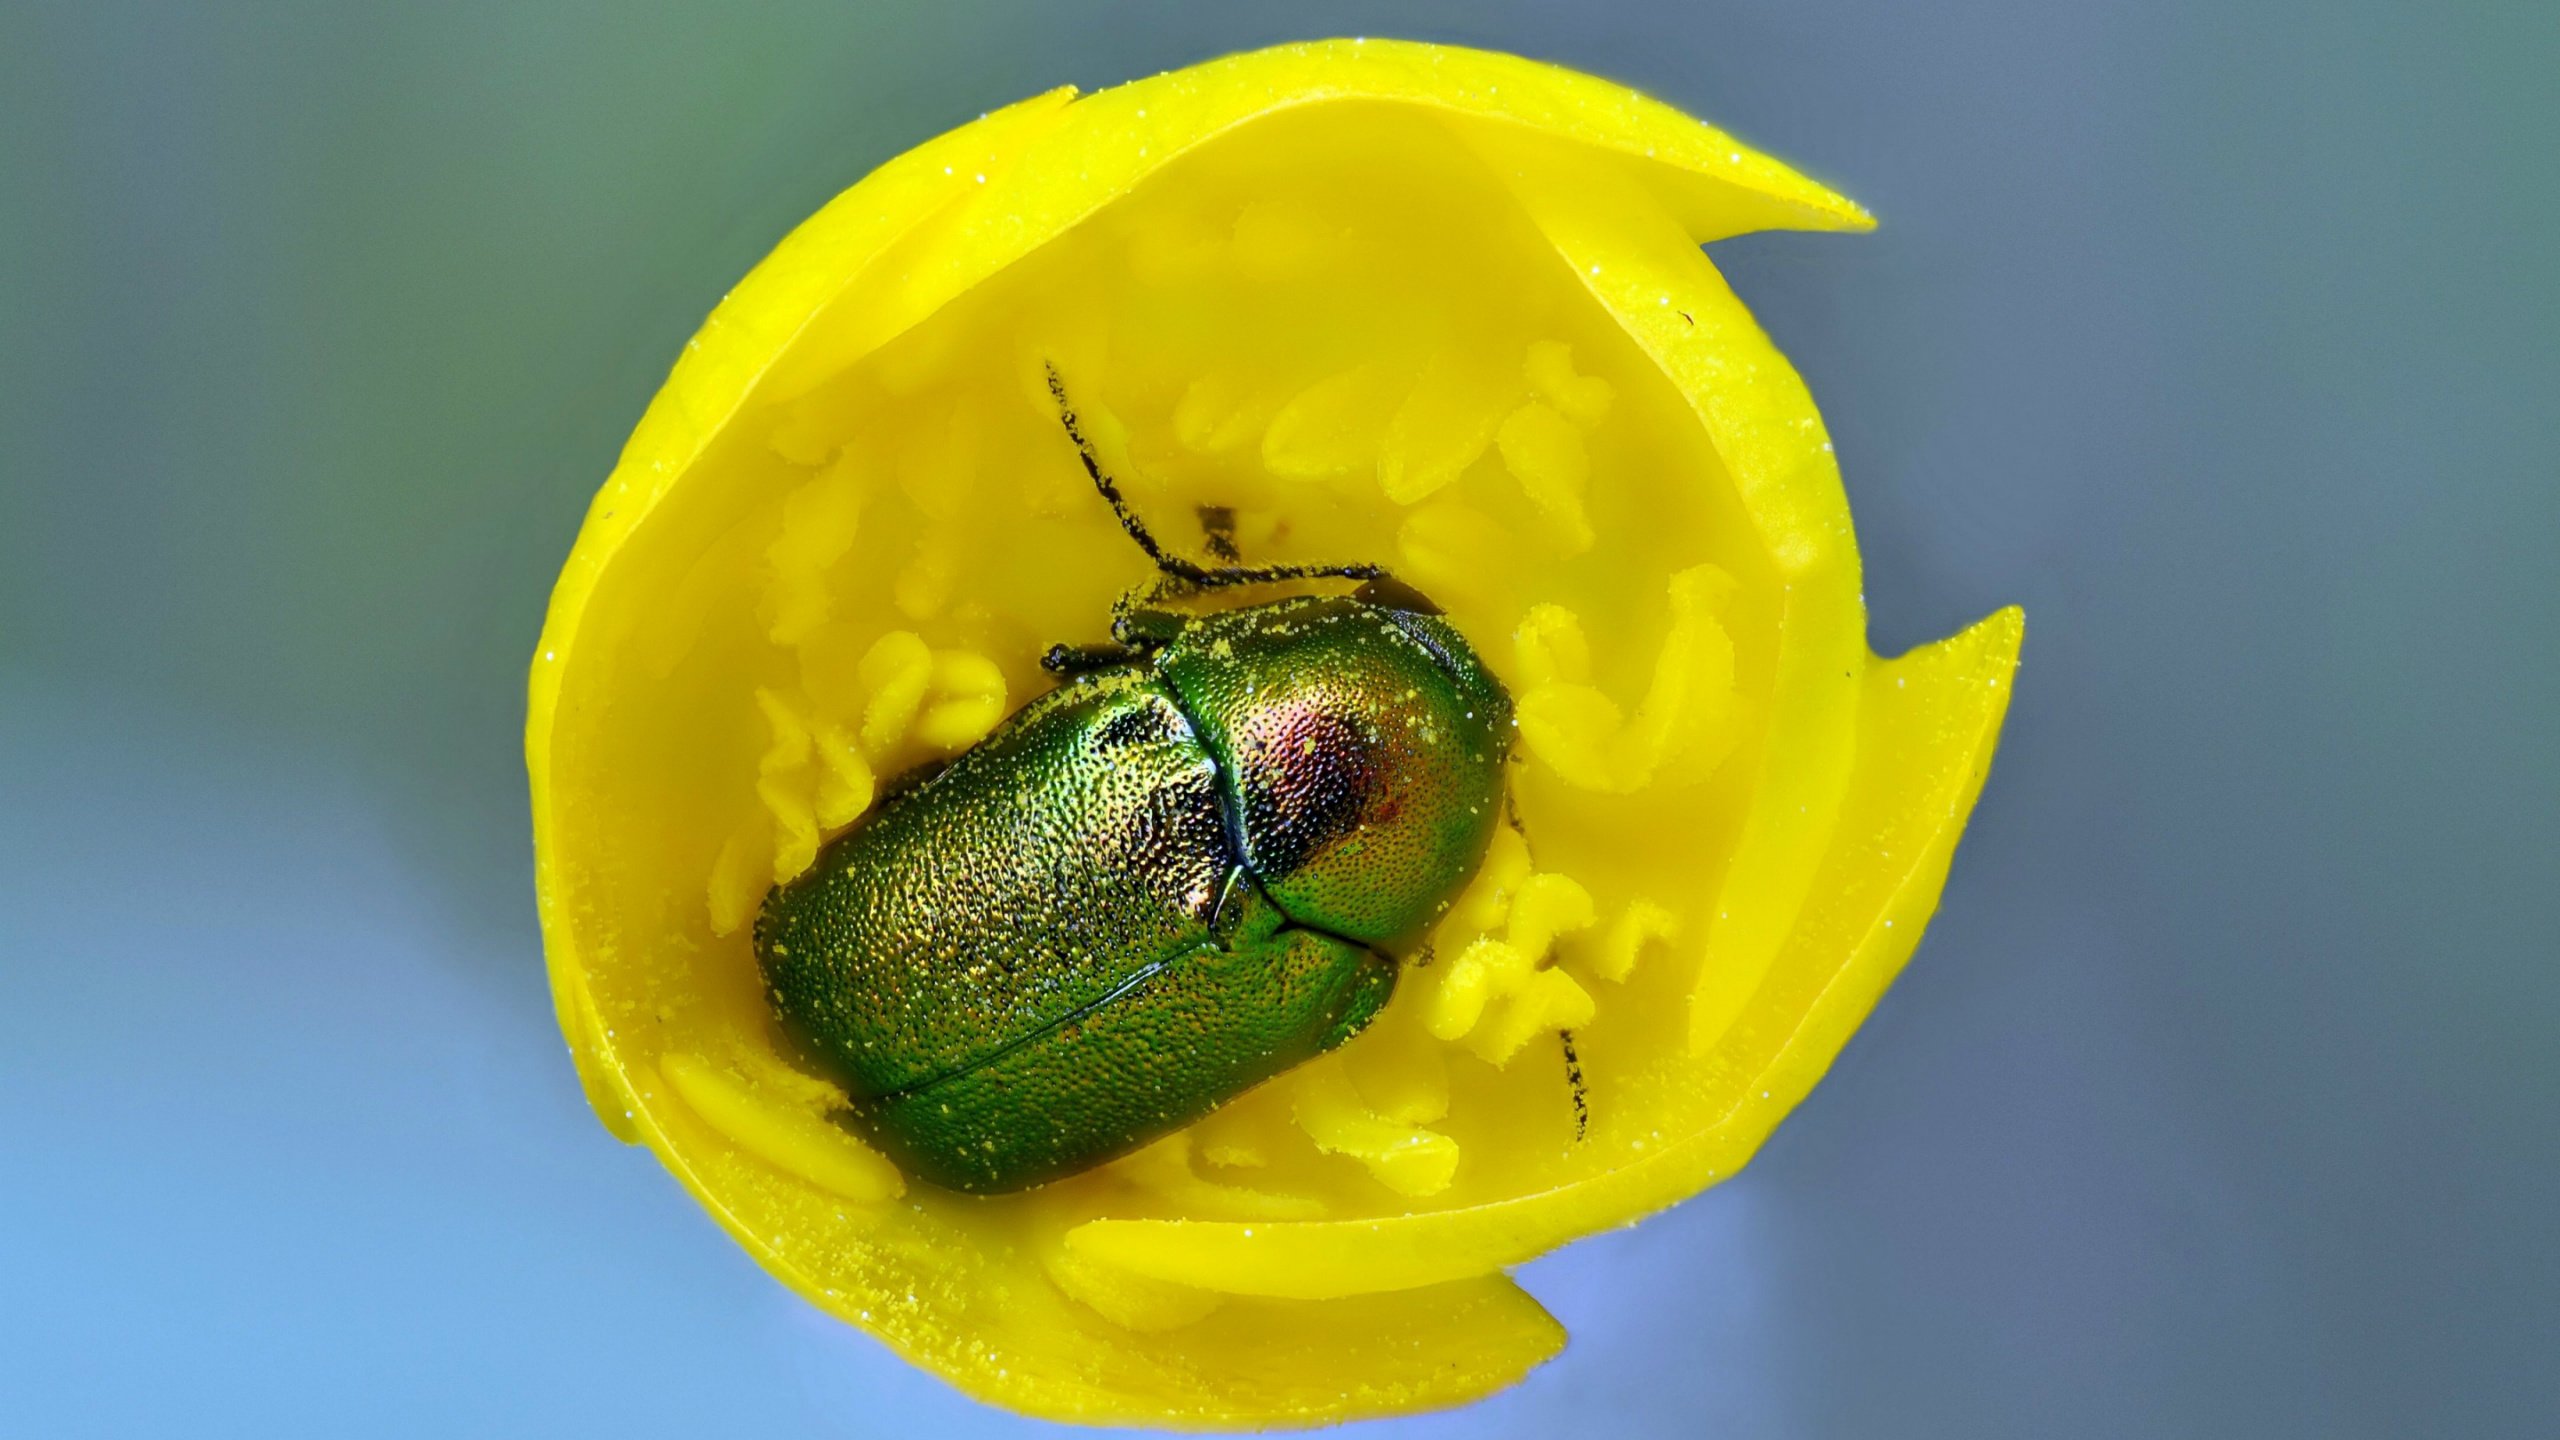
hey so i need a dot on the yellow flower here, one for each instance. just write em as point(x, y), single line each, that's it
point(1381, 301)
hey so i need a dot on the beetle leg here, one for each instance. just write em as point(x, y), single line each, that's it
point(1218, 532)
point(1572, 1056)
point(1064, 659)
point(1573, 1077)
point(1393, 594)
point(1145, 630)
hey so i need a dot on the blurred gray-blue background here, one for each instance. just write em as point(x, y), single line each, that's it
point(2223, 1099)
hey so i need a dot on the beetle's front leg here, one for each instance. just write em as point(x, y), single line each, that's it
point(1138, 624)
point(1068, 660)
point(1138, 629)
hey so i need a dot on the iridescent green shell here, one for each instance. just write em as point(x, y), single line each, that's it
point(1145, 892)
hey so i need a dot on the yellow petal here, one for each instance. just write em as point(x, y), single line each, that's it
point(895, 673)
point(1334, 426)
point(1444, 424)
point(1132, 1302)
point(968, 699)
point(789, 1139)
point(1454, 550)
point(1638, 926)
point(845, 782)
point(1583, 399)
point(1549, 648)
point(1545, 453)
point(1164, 1170)
point(1405, 1158)
point(1400, 1072)
point(1548, 1001)
point(741, 875)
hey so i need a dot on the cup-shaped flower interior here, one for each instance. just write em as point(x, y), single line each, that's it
point(1332, 304)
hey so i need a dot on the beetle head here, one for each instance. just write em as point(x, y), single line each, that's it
point(1361, 745)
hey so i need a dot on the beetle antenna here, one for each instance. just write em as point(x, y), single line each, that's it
point(1206, 577)
point(1573, 1077)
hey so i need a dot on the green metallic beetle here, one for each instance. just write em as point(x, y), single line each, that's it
point(1187, 869)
